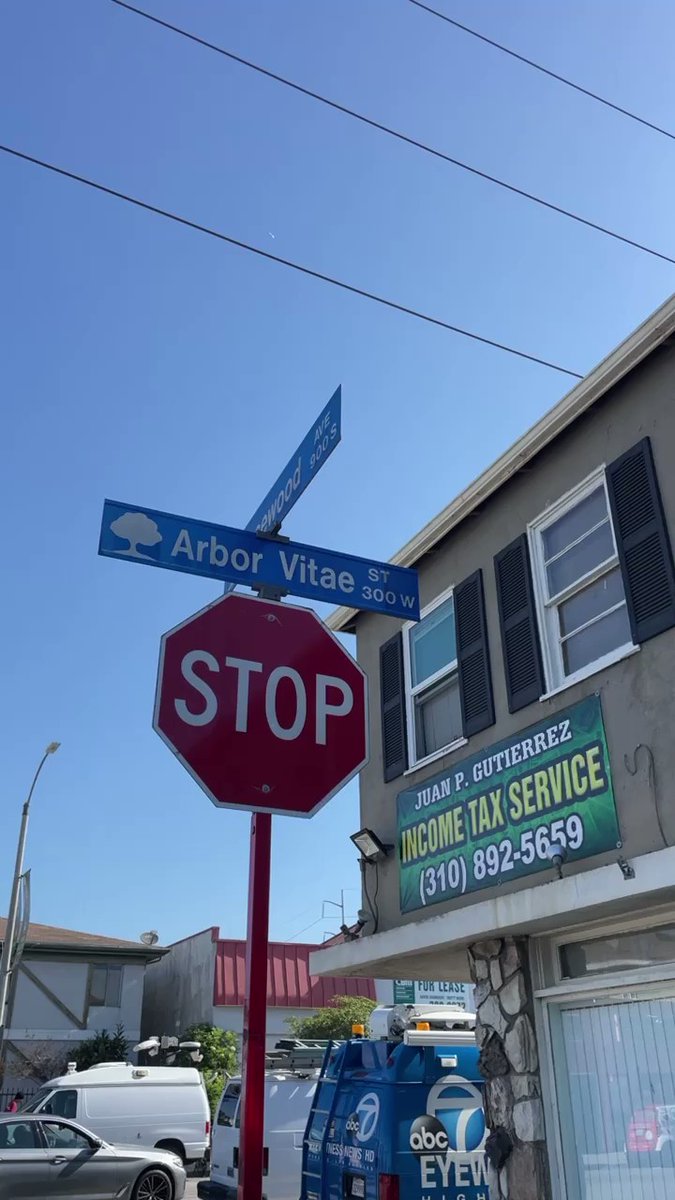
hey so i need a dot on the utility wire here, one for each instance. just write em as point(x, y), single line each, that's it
point(401, 137)
point(285, 262)
point(625, 112)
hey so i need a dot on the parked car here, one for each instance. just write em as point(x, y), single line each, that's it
point(165, 1107)
point(47, 1157)
point(650, 1138)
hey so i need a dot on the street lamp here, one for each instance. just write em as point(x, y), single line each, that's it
point(6, 964)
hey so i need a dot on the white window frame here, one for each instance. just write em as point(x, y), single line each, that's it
point(414, 763)
point(547, 610)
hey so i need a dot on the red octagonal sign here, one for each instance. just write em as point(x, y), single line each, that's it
point(263, 705)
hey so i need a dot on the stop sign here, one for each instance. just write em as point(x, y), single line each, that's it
point(262, 704)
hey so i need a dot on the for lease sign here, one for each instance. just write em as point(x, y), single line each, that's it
point(494, 816)
point(433, 991)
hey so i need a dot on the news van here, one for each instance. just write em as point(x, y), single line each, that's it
point(164, 1107)
point(399, 1116)
point(289, 1089)
point(395, 1116)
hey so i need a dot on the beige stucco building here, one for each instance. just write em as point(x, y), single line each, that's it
point(521, 770)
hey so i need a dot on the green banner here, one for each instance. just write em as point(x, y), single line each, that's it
point(494, 816)
point(404, 991)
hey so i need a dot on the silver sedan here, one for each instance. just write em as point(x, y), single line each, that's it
point(44, 1157)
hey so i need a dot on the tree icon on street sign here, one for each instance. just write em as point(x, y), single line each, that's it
point(136, 529)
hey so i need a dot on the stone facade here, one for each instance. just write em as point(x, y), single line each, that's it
point(509, 1063)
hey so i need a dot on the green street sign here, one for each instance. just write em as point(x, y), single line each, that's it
point(494, 816)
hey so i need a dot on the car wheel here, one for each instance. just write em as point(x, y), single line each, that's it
point(174, 1148)
point(154, 1184)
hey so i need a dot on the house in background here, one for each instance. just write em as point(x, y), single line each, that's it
point(69, 985)
point(202, 979)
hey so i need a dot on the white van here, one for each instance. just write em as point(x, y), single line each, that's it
point(137, 1106)
point(288, 1098)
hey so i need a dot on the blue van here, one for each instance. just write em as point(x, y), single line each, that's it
point(398, 1120)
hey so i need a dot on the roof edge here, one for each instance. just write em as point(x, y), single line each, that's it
point(623, 359)
point(84, 950)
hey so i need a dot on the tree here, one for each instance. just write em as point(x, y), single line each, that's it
point(335, 1021)
point(220, 1053)
point(219, 1048)
point(102, 1047)
point(36, 1060)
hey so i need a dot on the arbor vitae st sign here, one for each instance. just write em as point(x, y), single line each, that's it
point(176, 543)
point(262, 705)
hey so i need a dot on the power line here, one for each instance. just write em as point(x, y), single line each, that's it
point(401, 137)
point(285, 262)
point(625, 112)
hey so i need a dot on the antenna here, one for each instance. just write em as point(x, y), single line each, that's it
point(150, 938)
point(335, 904)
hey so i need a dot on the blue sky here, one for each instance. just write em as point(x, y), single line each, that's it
point(150, 363)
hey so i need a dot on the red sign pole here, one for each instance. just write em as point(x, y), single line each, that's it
point(252, 1129)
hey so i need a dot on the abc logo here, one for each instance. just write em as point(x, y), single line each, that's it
point(352, 1125)
point(428, 1134)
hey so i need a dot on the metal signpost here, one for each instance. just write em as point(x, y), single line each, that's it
point(259, 700)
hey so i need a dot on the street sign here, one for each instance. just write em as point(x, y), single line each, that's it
point(262, 704)
point(219, 552)
point(314, 450)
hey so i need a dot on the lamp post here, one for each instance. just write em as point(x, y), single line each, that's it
point(6, 965)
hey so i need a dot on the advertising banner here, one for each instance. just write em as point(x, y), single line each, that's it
point(494, 816)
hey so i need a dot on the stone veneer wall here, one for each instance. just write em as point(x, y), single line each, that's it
point(509, 1063)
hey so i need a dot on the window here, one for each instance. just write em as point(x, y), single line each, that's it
point(61, 1103)
point(18, 1135)
point(37, 1100)
point(432, 686)
point(228, 1106)
point(621, 952)
point(64, 1137)
point(105, 987)
point(578, 583)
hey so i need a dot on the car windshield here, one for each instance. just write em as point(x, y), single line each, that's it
point(34, 1102)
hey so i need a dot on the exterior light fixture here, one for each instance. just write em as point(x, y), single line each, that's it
point(369, 846)
point(557, 855)
point(626, 869)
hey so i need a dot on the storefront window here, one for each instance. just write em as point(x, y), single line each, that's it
point(615, 1075)
point(623, 952)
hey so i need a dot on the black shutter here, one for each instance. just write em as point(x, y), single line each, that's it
point(518, 622)
point(392, 693)
point(473, 656)
point(642, 541)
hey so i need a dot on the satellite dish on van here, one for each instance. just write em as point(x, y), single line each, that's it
point(151, 1045)
point(150, 938)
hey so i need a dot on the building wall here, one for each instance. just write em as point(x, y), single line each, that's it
point(179, 987)
point(232, 1018)
point(636, 693)
point(38, 1011)
point(51, 1014)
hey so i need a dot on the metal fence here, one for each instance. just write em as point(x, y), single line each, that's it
point(7, 1097)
